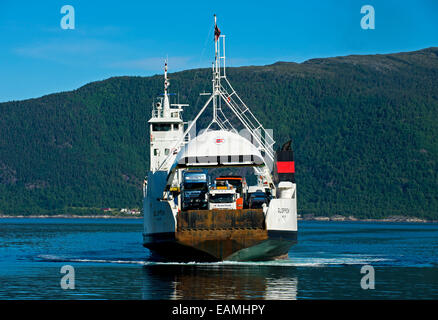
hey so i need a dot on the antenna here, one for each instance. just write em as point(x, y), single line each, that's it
point(166, 104)
point(166, 81)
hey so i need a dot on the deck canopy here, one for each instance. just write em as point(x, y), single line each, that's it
point(218, 148)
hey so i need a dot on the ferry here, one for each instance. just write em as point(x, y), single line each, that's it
point(189, 215)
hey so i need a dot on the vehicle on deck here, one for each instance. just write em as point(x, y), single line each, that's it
point(194, 189)
point(222, 195)
point(257, 199)
point(239, 183)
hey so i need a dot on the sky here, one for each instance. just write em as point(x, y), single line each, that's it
point(134, 37)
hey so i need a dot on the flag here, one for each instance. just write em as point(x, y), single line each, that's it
point(217, 33)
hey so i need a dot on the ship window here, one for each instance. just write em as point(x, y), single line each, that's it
point(155, 152)
point(174, 114)
point(176, 127)
point(166, 152)
point(161, 127)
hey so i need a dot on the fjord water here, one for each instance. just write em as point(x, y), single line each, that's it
point(110, 263)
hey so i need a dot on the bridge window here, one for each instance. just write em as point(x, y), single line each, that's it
point(161, 127)
point(166, 152)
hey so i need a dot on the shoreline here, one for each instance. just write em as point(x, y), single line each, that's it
point(395, 219)
point(335, 218)
point(69, 216)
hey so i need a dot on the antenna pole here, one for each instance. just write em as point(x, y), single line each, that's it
point(215, 70)
point(166, 103)
point(165, 78)
point(215, 41)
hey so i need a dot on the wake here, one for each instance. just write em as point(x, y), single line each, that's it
point(291, 262)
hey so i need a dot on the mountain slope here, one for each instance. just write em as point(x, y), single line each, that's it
point(364, 130)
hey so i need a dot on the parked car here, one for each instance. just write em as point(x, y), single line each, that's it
point(257, 199)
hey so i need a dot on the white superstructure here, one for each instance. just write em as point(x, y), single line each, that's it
point(166, 127)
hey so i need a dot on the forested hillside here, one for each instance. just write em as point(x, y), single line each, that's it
point(364, 131)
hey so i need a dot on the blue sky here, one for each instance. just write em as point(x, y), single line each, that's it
point(114, 38)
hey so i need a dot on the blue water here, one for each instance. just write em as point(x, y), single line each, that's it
point(110, 263)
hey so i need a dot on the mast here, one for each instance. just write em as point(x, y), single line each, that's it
point(166, 104)
point(215, 70)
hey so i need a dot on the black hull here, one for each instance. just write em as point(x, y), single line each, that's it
point(168, 247)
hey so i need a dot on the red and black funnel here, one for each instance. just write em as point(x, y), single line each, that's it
point(284, 165)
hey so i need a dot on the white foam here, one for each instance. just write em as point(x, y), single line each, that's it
point(63, 259)
point(292, 262)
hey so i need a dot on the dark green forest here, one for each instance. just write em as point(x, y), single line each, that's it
point(364, 132)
